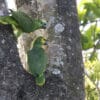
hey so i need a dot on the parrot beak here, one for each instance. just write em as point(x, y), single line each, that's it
point(44, 26)
point(45, 46)
point(46, 42)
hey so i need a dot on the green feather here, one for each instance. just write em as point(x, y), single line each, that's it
point(8, 20)
point(21, 22)
point(26, 23)
point(37, 60)
point(40, 81)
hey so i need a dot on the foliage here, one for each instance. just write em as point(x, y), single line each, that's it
point(92, 76)
point(89, 20)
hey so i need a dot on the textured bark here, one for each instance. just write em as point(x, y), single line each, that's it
point(11, 74)
point(64, 77)
point(73, 66)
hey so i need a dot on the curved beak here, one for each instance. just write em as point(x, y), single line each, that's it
point(44, 26)
point(46, 42)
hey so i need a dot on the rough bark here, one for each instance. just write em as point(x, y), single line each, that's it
point(73, 65)
point(64, 77)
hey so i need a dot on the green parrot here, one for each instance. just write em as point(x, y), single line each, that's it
point(21, 22)
point(26, 23)
point(37, 60)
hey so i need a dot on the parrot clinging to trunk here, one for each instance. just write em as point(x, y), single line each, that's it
point(37, 60)
point(22, 22)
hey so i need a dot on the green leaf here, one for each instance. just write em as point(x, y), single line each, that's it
point(86, 42)
point(93, 11)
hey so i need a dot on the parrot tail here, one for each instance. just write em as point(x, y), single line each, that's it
point(40, 80)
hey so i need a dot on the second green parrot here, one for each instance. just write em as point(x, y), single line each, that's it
point(37, 60)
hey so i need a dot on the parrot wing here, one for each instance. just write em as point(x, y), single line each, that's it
point(37, 61)
point(27, 23)
point(23, 20)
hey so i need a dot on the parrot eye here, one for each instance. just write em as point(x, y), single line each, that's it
point(44, 41)
point(44, 24)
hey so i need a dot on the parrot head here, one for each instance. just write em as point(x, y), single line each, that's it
point(40, 41)
point(40, 24)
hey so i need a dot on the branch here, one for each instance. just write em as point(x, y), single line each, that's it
point(94, 49)
point(97, 20)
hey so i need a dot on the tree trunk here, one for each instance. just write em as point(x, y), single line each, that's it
point(64, 76)
point(73, 65)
